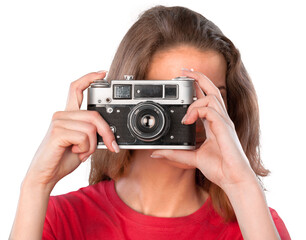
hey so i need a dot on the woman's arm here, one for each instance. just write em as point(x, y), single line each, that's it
point(31, 211)
point(252, 212)
point(222, 160)
point(70, 140)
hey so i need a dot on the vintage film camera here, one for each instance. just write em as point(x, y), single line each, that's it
point(145, 114)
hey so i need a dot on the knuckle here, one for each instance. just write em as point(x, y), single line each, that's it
point(198, 110)
point(205, 99)
point(195, 112)
point(93, 148)
point(83, 137)
point(195, 103)
point(56, 115)
point(73, 85)
point(98, 120)
point(92, 129)
point(94, 114)
point(201, 101)
point(54, 130)
point(56, 123)
point(211, 98)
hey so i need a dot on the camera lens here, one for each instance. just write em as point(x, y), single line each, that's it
point(148, 121)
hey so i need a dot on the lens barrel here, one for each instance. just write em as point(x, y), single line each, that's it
point(148, 121)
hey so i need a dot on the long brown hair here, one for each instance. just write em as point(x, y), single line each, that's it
point(161, 28)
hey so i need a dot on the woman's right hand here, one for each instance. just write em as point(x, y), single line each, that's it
point(71, 138)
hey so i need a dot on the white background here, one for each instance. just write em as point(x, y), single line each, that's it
point(45, 45)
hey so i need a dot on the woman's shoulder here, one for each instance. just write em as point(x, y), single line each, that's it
point(97, 188)
point(89, 196)
point(73, 213)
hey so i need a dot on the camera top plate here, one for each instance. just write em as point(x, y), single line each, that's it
point(176, 91)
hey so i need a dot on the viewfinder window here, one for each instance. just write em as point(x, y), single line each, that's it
point(122, 91)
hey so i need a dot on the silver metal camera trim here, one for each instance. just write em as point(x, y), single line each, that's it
point(181, 147)
point(100, 93)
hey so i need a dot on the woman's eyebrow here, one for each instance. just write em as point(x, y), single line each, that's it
point(222, 87)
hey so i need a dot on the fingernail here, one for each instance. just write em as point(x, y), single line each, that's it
point(102, 71)
point(184, 118)
point(156, 156)
point(115, 146)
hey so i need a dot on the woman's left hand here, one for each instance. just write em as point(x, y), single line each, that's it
point(220, 158)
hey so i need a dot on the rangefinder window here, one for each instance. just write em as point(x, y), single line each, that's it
point(122, 91)
point(148, 91)
point(171, 91)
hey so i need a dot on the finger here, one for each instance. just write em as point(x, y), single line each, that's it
point(181, 156)
point(217, 124)
point(94, 118)
point(199, 91)
point(75, 96)
point(205, 84)
point(208, 101)
point(65, 138)
point(80, 126)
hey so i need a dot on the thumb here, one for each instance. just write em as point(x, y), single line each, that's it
point(180, 156)
point(75, 95)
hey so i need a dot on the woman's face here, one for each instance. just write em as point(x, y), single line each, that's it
point(167, 64)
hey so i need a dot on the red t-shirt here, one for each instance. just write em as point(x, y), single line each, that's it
point(97, 212)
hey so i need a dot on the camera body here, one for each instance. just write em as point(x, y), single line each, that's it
point(145, 114)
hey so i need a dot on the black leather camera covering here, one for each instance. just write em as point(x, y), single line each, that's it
point(182, 134)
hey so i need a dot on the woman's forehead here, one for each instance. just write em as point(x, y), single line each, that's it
point(167, 64)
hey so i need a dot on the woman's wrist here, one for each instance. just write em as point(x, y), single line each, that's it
point(249, 182)
point(31, 185)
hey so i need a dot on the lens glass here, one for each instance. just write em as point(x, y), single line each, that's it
point(148, 121)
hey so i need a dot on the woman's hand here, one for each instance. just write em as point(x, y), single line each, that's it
point(70, 140)
point(220, 158)
point(71, 137)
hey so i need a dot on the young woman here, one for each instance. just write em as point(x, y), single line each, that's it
point(212, 192)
